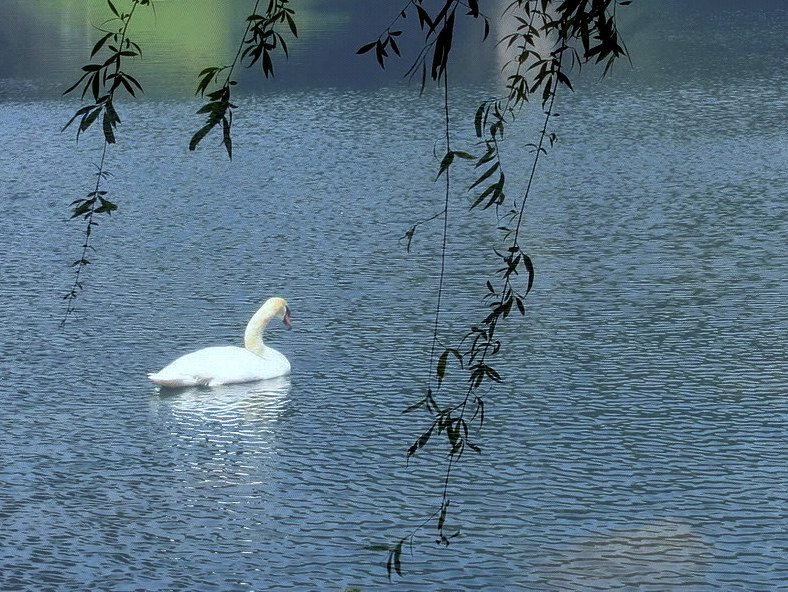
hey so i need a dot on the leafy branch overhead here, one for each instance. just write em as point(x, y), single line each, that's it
point(438, 30)
point(106, 74)
point(260, 40)
point(101, 80)
point(549, 39)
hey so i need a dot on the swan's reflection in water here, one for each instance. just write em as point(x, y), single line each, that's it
point(263, 400)
point(225, 435)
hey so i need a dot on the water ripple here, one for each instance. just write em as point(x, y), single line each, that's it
point(639, 439)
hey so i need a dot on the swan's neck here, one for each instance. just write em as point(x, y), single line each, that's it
point(253, 336)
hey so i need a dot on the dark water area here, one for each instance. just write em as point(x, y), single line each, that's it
point(637, 443)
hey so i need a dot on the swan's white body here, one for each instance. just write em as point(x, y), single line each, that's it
point(229, 364)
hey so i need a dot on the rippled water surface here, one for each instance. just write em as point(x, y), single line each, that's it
point(638, 443)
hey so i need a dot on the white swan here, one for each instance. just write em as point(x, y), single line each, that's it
point(229, 364)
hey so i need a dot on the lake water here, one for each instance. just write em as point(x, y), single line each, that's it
point(638, 442)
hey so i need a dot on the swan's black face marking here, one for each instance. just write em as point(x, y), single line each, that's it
point(286, 318)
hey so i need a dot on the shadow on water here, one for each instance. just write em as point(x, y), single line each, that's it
point(673, 553)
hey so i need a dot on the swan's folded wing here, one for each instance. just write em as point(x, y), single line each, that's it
point(182, 380)
point(221, 365)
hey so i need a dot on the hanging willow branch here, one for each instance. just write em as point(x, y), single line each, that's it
point(101, 80)
point(586, 32)
point(259, 41)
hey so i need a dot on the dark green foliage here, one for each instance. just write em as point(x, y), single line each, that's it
point(219, 110)
point(438, 32)
point(100, 81)
point(550, 38)
point(387, 40)
point(260, 40)
point(394, 563)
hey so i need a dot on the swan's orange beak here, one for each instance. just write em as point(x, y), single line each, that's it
point(286, 319)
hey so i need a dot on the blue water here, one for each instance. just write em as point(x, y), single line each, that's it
point(638, 442)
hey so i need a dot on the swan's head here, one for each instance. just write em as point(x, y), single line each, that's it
point(286, 317)
point(278, 308)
